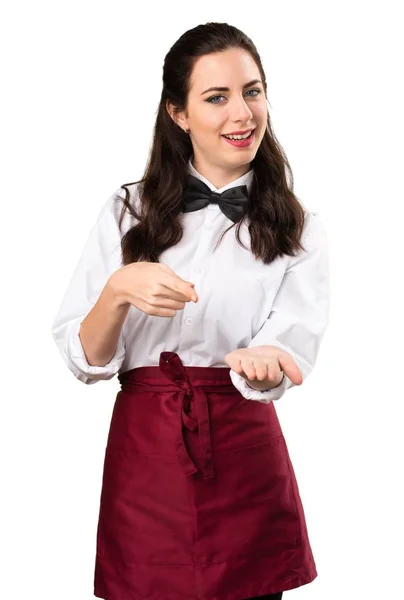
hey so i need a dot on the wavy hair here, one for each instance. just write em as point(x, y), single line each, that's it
point(275, 214)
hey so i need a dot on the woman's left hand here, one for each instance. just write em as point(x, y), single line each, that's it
point(264, 365)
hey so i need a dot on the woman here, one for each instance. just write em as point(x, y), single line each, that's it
point(204, 286)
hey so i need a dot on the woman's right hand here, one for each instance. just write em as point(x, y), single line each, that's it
point(152, 288)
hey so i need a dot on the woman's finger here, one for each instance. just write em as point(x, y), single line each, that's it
point(290, 368)
point(274, 369)
point(248, 367)
point(262, 368)
point(234, 363)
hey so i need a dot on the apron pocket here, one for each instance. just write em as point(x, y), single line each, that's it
point(250, 507)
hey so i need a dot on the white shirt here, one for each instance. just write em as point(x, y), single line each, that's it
point(242, 302)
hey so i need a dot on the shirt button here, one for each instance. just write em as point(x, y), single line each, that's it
point(188, 321)
point(198, 270)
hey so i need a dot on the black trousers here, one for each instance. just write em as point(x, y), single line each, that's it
point(269, 597)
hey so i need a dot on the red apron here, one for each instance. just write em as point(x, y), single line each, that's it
point(199, 498)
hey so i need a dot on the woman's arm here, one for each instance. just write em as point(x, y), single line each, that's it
point(101, 329)
point(88, 326)
point(300, 312)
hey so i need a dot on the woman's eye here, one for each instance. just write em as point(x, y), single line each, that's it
point(212, 98)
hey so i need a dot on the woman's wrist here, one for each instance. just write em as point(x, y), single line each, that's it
point(113, 289)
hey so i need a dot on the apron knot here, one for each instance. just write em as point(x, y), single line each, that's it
point(171, 365)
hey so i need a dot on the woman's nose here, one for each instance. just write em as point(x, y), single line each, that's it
point(240, 111)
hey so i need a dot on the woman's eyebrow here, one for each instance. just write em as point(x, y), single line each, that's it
point(226, 89)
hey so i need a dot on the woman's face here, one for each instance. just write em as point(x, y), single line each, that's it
point(212, 113)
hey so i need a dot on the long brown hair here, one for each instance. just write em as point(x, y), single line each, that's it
point(276, 216)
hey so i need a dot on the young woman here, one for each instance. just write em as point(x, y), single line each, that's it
point(205, 287)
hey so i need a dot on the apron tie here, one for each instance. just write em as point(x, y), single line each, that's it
point(172, 367)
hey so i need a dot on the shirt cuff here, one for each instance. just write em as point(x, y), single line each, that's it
point(78, 364)
point(267, 396)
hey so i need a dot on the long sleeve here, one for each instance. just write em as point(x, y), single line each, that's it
point(99, 259)
point(300, 312)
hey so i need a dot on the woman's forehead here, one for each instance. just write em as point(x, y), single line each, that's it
point(232, 69)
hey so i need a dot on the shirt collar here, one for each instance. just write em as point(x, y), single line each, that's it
point(245, 179)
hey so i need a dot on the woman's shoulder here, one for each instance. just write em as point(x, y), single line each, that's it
point(116, 206)
point(313, 228)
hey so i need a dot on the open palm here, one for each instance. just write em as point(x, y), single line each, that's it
point(264, 363)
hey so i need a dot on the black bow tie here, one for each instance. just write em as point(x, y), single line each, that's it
point(232, 202)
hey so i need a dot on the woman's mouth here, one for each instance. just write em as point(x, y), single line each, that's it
point(240, 141)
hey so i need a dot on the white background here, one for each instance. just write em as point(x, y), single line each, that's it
point(80, 87)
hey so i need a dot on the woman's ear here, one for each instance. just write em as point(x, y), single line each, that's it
point(178, 117)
